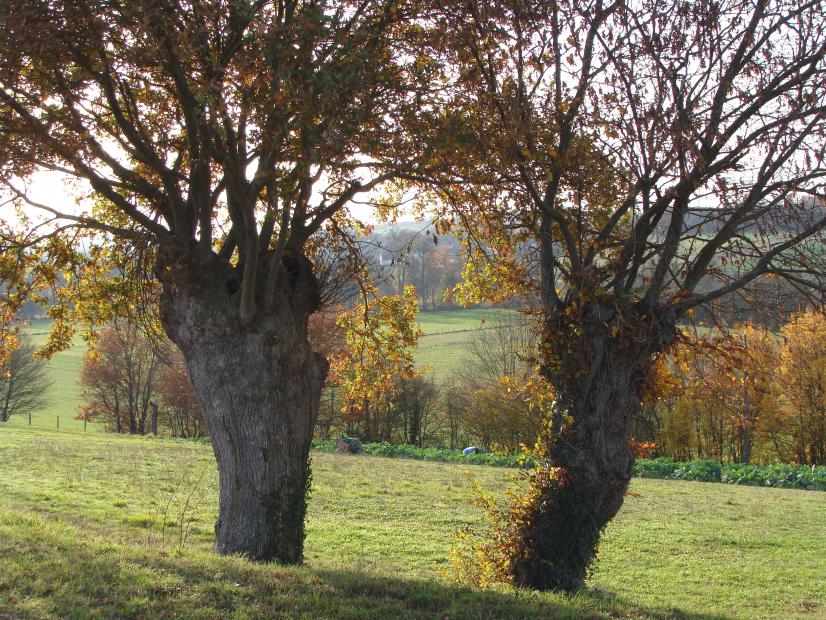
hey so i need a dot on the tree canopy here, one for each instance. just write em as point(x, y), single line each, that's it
point(669, 153)
point(240, 127)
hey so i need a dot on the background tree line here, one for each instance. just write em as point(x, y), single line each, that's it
point(750, 395)
point(136, 383)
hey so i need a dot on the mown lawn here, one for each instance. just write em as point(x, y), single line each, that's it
point(82, 535)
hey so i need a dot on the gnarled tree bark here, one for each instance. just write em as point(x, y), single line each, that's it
point(598, 399)
point(259, 384)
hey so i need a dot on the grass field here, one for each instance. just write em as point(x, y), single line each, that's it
point(64, 395)
point(443, 349)
point(81, 536)
point(444, 346)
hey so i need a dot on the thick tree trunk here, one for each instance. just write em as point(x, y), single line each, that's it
point(595, 465)
point(259, 385)
point(260, 397)
point(598, 382)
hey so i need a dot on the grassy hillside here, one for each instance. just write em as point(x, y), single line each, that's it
point(446, 336)
point(443, 348)
point(443, 321)
point(82, 536)
point(64, 394)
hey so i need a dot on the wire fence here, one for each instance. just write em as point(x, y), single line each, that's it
point(50, 421)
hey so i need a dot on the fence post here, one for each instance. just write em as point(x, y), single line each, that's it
point(154, 418)
point(84, 425)
point(58, 422)
point(30, 418)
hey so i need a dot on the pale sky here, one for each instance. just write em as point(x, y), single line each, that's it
point(52, 189)
point(61, 192)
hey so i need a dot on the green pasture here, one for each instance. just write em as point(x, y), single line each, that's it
point(105, 526)
point(444, 346)
point(442, 321)
point(64, 395)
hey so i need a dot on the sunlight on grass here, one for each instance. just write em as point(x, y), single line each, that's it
point(97, 525)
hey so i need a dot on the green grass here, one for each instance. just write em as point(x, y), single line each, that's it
point(443, 354)
point(444, 347)
point(81, 536)
point(441, 321)
point(64, 395)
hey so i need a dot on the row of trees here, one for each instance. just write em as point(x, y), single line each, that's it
point(133, 383)
point(478, 405)
point(751, 395)
point(432, 265)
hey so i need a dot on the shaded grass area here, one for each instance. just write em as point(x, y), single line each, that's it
point(116, 580)
point(103, 526)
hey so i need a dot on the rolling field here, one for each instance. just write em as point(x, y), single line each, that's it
point(442, 349)
point(64, 395)
point(101, 526)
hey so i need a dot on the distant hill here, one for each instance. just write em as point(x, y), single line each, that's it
point(708, 220)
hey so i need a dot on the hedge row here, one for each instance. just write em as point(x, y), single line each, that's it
point(785, 476)
point(444, 455)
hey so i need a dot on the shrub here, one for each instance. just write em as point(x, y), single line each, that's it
point(703, 471)
point(779, 475)
point(443, 455)
point(664, 468)
point(353, 443)
point(786, 476)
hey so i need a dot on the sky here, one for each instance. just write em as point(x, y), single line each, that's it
point(62, 193)
point(52, 189)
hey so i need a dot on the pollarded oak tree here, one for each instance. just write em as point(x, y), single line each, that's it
point(628, 162)
point(222, 137)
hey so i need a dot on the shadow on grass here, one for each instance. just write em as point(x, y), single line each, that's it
point(49, 569)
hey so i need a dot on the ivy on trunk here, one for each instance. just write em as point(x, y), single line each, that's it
point(619, 167)
point(598, 360)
